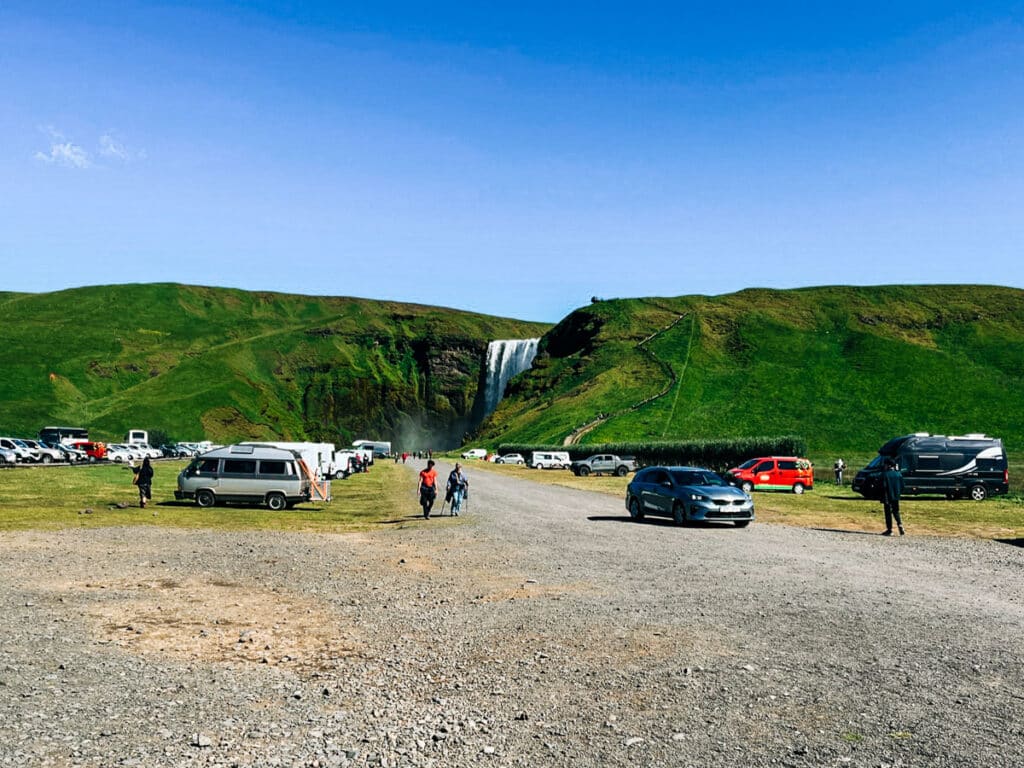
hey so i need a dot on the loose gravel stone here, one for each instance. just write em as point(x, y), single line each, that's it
point(544, 628)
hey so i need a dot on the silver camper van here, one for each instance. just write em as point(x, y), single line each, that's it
point(247, 474)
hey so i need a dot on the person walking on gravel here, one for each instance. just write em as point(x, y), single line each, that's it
point(428, 488)
point(892, 487)
point(144, 480)
point(458, 488)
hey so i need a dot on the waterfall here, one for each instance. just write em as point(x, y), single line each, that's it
point(505, 359)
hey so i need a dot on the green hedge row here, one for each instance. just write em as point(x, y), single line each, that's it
point(719, 455)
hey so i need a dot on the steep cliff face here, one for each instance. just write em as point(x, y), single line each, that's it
point(416, 392)
point(225, 364)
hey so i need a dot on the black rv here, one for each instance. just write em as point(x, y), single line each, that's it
point(967, 466)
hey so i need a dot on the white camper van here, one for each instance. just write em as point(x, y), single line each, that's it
point(376, 447)
point(250, 474)
point(549, 460)
point(319, 457)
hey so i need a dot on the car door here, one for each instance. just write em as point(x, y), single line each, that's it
point(657, 493)
point(763, 472)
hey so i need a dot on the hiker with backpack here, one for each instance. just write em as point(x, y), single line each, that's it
point(457, 490)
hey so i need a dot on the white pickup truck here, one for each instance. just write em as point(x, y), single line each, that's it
point(604, 463)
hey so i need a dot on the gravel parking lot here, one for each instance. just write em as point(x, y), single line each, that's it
point(540, 628)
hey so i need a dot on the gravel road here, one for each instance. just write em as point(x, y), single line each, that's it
point(541, 628)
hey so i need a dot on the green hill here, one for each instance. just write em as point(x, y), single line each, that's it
point(844, 367)
point(229, 364)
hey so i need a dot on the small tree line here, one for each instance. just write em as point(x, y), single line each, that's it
point(720, 454)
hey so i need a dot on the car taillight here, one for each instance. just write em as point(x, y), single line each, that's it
point(1006, 476)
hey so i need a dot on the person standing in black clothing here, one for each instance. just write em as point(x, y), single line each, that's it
point(144, 480)
point(892, 487)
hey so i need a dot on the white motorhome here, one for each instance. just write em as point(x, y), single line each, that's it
point(251, 474)
point(137, 436)
point(319, 457)
point(377, 447)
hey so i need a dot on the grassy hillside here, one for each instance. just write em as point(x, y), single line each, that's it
point(232, 364)
point(844, 367)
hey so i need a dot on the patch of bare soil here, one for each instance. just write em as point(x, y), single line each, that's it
point(217, 621)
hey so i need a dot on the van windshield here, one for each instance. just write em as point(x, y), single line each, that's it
point(748, 464)
point(875, 462)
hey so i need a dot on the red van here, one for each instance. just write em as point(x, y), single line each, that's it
point(775, 473)
point(95, 451)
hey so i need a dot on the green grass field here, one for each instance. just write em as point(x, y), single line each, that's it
point(845, 368)
point(57, 497)
point(833, 508)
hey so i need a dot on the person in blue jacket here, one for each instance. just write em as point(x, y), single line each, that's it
point(892, 487)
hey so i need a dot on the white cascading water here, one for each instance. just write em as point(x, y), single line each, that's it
point(505, 359)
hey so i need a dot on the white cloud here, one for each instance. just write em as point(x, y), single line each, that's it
point(67, 154)
point(111, 147)
point(71, 155)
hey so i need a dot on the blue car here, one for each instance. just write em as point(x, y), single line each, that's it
point(687, 494)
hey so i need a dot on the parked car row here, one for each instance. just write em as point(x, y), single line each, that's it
point(23, 450)
point(14, 450)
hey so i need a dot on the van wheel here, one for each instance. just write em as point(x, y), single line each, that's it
point(205, 498)
point(798, 488)
point(978, 492)
point(339, 475)
point(277, 501)
point(679, 514)
point(634, 510)
point(746, 486)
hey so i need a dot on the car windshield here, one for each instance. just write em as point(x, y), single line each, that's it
point(747, 464)
point(691, 477)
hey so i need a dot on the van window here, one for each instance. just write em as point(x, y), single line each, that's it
point(952, 460)
point(239, 467)
point(784, 464)
point(273, 468)
point(928, 463)
point(208, 466)
point(764, 466)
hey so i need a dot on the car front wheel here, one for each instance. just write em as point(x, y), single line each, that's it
point(583, 471)
point(679, 514)
point(742, 523)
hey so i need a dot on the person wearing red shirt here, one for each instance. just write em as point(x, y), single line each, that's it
point(428, 488)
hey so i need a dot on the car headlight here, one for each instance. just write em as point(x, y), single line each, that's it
point(698, 497)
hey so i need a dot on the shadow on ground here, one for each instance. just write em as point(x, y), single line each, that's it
point(664, 522)
point(1012, 542)
point(846, 530)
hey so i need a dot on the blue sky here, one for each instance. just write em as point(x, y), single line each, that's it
point(514, 159)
